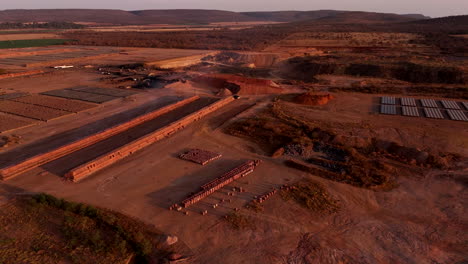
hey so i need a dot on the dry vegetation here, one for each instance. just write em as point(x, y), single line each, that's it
point(313, 196)
point(331, 155)
point(239, 221)
point(44, 229)
point(247, 39)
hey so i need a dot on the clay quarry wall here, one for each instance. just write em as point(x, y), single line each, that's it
point(43, 158)
point(111, 157)
point(242, 85)
point(18, 74)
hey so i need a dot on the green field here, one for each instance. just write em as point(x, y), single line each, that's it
point(38, 31)
point(10, 44)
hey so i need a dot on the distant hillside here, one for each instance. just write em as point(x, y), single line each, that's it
point(70, 15)
point(290, 16)
point(450, 20)
point(365, 18)
point(185, 16)
point(190, 16)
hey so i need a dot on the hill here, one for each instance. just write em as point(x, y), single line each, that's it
point(290, 16)
point(188, 16)
point(191, 16)
point(450, 20)
point(70, 15)
point(364, 18)
point(331, 16)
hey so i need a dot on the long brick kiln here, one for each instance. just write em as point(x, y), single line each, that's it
point(46, 157)
point(113, 156)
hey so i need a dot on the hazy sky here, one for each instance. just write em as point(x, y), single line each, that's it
point(434, 8)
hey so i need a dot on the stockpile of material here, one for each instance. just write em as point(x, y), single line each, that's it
point(200, 156)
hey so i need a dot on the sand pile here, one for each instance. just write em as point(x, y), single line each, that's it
point(237, 84)
point(313, 98)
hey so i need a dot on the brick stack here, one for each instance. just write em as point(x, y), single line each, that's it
point(200, 156)
point(267, 195)
point(220, 182)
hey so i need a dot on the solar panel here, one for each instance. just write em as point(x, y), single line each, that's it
point(410, 111)
point(408, 101)
point(429, 103)
point(388, 100)
point(450, 105)
point(465, 104)
point(433, 113)
point(457, 115)
point(388, 109)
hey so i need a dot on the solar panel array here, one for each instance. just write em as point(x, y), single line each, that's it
point(430, 108)
point(388, 100)
point(408, 101)
point(450, 105)
point(433, 113)
point(457, 115)
point(465, 104)
point(429, 103)
point(410, 111)
point(388, 109)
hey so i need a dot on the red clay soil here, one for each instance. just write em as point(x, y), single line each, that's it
point(238, 84)
point(19, 74)
point(313, 98)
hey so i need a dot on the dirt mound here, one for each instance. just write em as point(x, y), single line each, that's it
point(313, 98)
point(237, 84)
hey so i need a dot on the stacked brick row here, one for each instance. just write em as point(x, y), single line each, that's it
point(113, 156)
point(220, 182)
point(200, 156)
point(234, 174)
point(267, 195)
point(43, 158)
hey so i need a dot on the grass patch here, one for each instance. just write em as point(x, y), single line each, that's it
point(313, 196)
point(26, 43)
